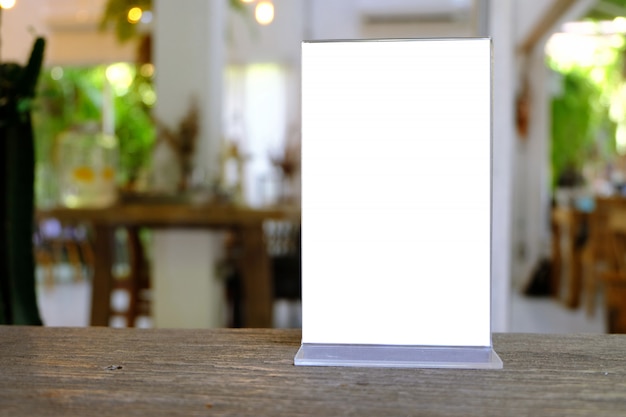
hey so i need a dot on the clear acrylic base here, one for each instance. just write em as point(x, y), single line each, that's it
point(390, 356)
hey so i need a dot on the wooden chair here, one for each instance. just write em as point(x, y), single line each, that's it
point(136, 281)
point(282, 242)
point(615, 277)
point(597, 251)
point(284, 247)
point(55, 244)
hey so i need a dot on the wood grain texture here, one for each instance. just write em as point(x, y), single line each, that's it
point(167, 215)
point(256, 272)
point(250, 372)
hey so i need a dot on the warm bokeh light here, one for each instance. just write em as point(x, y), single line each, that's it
point(148, 96)
point(147, 70)
point(7, 4)
point(120, 77)
point(247, 1)
point(264, 13)
point(56, 73)
point(134, 15)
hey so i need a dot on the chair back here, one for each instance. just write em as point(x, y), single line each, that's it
point(615, 277)
point(616, 226)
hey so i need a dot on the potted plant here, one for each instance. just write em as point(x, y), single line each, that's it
point(18, 301)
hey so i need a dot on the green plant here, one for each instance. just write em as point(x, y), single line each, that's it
point(134, 126)
point(584, 117)
point(576, 117)
point(65, 97)
point(69, 96)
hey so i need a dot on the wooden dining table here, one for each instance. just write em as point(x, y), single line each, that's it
point(103, 372)
point(246, 222)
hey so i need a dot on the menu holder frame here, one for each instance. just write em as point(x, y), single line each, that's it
point(389, 353)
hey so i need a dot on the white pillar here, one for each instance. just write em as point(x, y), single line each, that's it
point(531, 211)
point(532, 203)
point(501, 30)
point(188, 50)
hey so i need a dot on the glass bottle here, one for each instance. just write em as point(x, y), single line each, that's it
point(88, 161)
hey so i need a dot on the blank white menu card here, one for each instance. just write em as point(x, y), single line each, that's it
point(396, 192)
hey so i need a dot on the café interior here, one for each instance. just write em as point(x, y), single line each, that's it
point(194, 110)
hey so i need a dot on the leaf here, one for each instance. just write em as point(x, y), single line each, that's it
point(28, 80)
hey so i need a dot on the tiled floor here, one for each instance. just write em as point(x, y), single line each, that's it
point(547, 315)
point(67, 304)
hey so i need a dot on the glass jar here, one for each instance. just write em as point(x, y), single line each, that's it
point(88, 161)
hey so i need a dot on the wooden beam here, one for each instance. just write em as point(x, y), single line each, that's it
point(547, 22)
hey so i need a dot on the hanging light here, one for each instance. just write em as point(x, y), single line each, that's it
point(264, 12)
point(7, 4)
point(134, 15)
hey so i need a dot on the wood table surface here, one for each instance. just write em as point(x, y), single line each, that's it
point(249, 372)
point(167, 215)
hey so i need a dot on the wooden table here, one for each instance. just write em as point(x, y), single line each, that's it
point(250, 372)
point(248, 223)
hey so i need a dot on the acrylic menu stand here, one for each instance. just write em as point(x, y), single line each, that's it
point(396, 204)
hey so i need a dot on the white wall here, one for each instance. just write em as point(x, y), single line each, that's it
point(15, 29)
point(530, 234)
point(298, 20)
point(70, 29)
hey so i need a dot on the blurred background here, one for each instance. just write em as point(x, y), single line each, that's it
point(195, 105)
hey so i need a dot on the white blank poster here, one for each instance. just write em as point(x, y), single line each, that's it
point(396, 192)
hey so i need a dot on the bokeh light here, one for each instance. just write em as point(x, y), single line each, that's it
point(56, 73)
point(7, 4)
point(264, 13)
point(120, 76)
point(147, 70)
point(134, 15)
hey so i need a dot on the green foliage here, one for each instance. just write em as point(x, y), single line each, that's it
point(116, 12)
point(66, 97)
point(134, 128)
point(576, 115)
point(76, 97)
point(583, 120)
point(607, 9)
